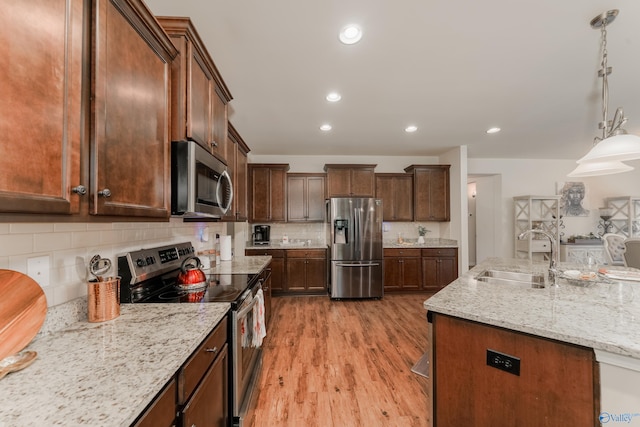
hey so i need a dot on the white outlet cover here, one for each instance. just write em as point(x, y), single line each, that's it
point(38, 269)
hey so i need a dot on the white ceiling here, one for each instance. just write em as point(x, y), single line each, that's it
point(453, 68)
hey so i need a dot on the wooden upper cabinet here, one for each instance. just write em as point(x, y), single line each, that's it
point(396, 192)
point(199, 96)
point(305, 197)
point(431, 201)
point(267, 192)
point(221, 147)
point(237, 169)
point(41, 91)
point(344, 180)
point(130, 145)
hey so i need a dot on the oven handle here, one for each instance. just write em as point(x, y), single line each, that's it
point(242, 313)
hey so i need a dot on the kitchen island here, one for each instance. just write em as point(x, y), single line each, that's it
point(571, 334)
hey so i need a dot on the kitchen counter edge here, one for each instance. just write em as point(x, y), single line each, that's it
point(602, 316)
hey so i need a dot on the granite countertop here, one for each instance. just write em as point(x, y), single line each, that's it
point(408, 243)
point(428, 243)
point(603, 315)
point(105, 374)
point(240, 265)
point(293, 245)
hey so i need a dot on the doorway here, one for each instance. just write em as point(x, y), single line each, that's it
point(484, 196)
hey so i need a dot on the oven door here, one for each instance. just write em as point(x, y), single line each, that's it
point(247, 359)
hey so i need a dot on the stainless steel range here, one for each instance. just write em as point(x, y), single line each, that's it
point(151, 276)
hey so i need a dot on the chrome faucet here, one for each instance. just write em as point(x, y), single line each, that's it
point(553, 272)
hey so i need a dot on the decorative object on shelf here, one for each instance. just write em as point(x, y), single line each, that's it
point(580, 239)
point(572, 197)
point(422, 231)
point(605, 220)
point(615, 145)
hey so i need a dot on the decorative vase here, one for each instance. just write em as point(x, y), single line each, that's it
point(420, 240)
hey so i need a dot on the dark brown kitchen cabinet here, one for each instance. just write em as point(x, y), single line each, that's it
point(162, 411)
point(267, 192)
point(221, 148)
point(307, 271)
point(439, 267)
point(305, 197)
point(277, 267)
point(41, 109)
point(557, 384)
point(203, 382)
point(130, 123)
point(402, 270)
point(431, 200)
point(199, 96)
point(237, 169)
point(396, 192)
point(344, 180)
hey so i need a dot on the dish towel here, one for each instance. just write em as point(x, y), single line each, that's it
point(259, 329)
point(244, 333)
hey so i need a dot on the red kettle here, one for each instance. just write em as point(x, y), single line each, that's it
point(191, 274)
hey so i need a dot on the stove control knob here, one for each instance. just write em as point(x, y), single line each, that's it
point(140, 262)
point(149, 260)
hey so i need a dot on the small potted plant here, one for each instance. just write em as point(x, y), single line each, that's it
point(422, 231)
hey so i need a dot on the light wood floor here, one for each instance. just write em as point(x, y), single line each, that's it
point(344, 363)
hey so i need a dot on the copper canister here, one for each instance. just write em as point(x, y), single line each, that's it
point(103, 299)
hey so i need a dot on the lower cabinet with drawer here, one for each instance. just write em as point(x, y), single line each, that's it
point(439, 267)
point(277, 267)
point(402, 270)
point(203, 383)
point(307, 271)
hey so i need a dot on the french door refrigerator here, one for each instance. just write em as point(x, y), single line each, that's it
point(355, 245)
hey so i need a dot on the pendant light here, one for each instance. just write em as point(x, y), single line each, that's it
point(599, 168)
point(615, 145)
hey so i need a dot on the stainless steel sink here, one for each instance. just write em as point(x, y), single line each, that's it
point(535, 280)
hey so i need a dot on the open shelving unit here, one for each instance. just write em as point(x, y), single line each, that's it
point(625, 215)
point(536, 212)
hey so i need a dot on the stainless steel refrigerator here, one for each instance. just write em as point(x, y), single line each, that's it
point(355, 245)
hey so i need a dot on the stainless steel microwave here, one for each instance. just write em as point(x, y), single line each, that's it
point(200, 184)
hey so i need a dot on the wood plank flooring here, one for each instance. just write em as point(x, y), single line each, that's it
point(344, 363)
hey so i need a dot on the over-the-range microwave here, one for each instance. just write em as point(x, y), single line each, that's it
point(200, 184)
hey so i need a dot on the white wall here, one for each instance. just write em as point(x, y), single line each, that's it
point(519, 177)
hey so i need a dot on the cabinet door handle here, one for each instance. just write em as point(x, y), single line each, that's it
point(106, 193)
point(80, 190)
point(212, 350)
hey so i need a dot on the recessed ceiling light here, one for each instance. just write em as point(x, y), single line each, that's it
point(334, 97)
point(411, 129)
point(350, 34)
point(325, 127)
point(493, 130)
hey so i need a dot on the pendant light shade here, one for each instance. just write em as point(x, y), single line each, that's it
point(620, 148)
point(599, 168)
point(615, 145)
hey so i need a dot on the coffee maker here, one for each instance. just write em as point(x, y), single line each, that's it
point(261, 234)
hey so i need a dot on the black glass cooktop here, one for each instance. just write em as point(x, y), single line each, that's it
point(219, 288)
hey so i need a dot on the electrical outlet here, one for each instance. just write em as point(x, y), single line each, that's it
point(38, 269)
point(504, 362)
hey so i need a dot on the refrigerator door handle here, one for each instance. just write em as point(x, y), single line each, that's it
point(371, 264)
point(358, 232)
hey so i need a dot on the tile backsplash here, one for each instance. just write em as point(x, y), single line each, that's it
point(68, 247)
